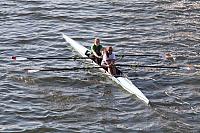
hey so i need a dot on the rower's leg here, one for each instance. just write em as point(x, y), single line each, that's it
point(91, 56)
point(114, 72)
point(110, 70)
point(99, 61)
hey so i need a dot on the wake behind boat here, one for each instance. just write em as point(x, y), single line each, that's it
point(120, 78)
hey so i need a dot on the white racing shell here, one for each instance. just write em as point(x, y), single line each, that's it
point(119, 79)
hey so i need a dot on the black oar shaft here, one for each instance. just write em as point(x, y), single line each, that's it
point(136, 65)
point(123, 55)
point(64, 58)
point(62, 69)
point(72, 58)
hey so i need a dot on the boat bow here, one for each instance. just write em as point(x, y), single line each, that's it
point(130, 87)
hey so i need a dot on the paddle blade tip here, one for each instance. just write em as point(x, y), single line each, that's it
point(19, 58)
point(31, 70)
point(190, 68)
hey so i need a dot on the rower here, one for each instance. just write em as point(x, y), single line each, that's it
point(96, 49)
point(108, 60)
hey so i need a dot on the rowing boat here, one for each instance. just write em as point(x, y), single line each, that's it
point(120, 78)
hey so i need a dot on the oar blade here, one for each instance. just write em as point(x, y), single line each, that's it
point(188, 67)
point(33, 70)
point(18, 58)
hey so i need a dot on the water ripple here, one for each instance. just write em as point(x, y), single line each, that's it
point(85, 101)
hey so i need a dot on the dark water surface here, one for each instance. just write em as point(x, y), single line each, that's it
point(86, 101)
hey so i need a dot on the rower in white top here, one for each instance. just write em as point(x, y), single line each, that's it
point(108, 60)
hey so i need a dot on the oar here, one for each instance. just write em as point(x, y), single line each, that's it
point(46, 58)
point(166, 56)
point(189, 67)
point(123, 55)
point(32, 70)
